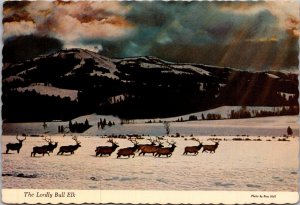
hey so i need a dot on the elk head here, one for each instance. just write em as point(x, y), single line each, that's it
point(151, 141)
point(50, 142)
point(216, 142)
point(172, 143)
point(133, 141)
point(114, 144)
point(160, 143)
point(76, 140)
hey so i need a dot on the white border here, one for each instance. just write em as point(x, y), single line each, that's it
point(17, 196)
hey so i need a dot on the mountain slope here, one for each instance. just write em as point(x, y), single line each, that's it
point(139, 87)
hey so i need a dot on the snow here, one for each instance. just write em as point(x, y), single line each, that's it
point(150, 65)
point(50, 90)
point(101, 74)
point(13, 78)
point(265, 126)
point(236, 166)
point(29, 69)
point(272, 75)
point(201, 87)
point(193, 68)
point(101, 61)
point(82, 62)
point(225, 111)
point(116, 98)
point(286, 95)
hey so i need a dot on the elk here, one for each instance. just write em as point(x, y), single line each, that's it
point(44, 149)
point(40, 150)
point(50, 145)
point(211, 148)
point(15, 146)
point(193, 149)
point(106, 150)
point(129, 150)
point(166, 150)
point(145, 145)
point(70, 148)
point(151, 149)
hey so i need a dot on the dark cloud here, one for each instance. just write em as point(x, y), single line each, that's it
point(15, 4)
point(21, 16)
point(27, 47)
point(245, 35)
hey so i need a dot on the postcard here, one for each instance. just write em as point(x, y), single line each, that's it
point(158, 102)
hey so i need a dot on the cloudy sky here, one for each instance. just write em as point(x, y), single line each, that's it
point(244, 35)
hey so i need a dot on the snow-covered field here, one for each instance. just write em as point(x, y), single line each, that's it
point(266, 165)
point(265, 126)
point(236, 165)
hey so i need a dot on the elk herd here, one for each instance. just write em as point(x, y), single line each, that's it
point(155, 148)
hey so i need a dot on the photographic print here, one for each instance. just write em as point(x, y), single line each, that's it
point(150, 102)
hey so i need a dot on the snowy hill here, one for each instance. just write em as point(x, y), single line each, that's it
point(75, 82)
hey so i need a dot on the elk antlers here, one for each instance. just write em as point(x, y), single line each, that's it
point(47, 140)
point(133, 141)
point(171, 143)
point(111, 141)
point(20, 139)
point(75, 138)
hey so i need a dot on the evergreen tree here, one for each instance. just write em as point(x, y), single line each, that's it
point(289, 131)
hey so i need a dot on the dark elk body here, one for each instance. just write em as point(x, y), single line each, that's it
point(150, 149)
point(140, 146)
point(210, 148)
point(106, 150)
point(39, 150)
point(44, 149)
point(15, 146)
point(193, 149)
point(51, 147)
point(129, 150)
point(70, 148)
point(166, 150)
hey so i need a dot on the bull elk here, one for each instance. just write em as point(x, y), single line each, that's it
point(193, 149)
point(70, 148)
point(129, 150)
point(51, 145)
point(140, 146)
point(44, 149)
point(106, 150)
point(151, 149)
point(166, 150)
point(15, 146)
point(211, 148)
